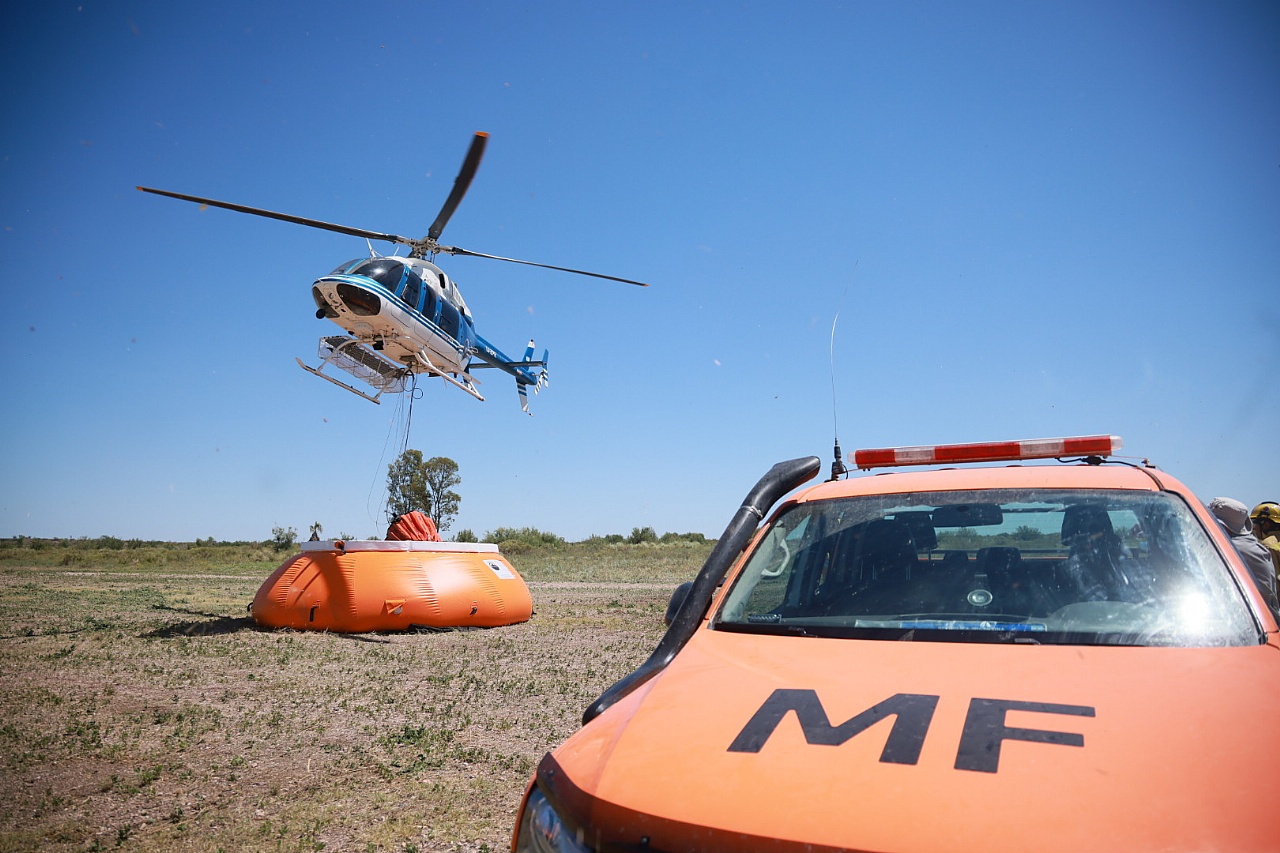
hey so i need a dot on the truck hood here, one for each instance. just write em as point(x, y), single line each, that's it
point(749, 742)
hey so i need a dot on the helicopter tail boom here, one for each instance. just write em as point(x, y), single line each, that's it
point(527, 372)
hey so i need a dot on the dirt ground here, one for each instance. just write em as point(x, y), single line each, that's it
point(141, 711)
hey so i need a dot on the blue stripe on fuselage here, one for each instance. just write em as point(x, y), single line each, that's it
point(490, 354)
point(466, 330)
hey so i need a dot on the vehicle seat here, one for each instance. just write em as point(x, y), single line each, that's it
point(888, 573)
point(1007, 579)
point(1091, 569)
point(1084, 522)
point(999, 561)
point(888, 552)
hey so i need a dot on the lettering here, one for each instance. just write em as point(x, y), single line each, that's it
point(912, 714)
point(984, 731)
point(981, 739)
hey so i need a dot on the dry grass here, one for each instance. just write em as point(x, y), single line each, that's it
point(141, 709)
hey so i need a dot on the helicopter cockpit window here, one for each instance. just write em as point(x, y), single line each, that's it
point(449, 319)
point(429, 303)
point(412, 289)
point(384, 271)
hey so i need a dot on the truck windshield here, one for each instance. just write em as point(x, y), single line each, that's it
point(1042, 566)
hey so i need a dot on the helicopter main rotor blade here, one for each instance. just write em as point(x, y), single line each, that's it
point(454, 250)
point(460, 184)
point(285, 217)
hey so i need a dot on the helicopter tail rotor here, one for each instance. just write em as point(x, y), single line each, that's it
point(538, 369)
point(543, 375)
point(544, 378)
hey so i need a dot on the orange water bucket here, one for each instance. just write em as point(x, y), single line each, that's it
point(358, 586)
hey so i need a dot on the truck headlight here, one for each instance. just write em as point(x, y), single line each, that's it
point(542, 830)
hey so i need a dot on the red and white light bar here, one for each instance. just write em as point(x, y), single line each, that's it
point(989, 451)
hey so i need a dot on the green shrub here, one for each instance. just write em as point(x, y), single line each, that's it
point(514, 546)
point(282, 538)
point(531, 536)
point(640, 535)
point(609, 539)
point(696, 538)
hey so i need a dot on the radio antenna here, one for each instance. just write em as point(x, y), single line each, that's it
point(838, 468)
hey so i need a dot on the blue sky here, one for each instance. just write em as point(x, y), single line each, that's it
point(1034, 219)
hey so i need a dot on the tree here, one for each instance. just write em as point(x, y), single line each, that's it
point(282, 538)
point(640, 535)
point(1027, 533)
point(424, 486)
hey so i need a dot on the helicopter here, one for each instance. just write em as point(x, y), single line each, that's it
point(404, 316)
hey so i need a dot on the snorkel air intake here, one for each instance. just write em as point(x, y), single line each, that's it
point(782, 478)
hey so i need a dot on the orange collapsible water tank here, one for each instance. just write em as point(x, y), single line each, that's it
point(358, 586)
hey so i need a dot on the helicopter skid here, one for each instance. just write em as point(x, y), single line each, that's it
point(364, 364)
point(466, 383)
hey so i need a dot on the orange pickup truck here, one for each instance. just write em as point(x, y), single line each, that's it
point(1030, 655)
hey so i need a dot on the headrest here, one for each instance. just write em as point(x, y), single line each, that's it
point(921, 524)
point(887, 539)
point(1085, 520)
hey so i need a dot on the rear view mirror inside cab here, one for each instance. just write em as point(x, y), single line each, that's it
point(967, 515)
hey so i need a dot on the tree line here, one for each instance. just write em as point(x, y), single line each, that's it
point(414, 484)
point(426, 485)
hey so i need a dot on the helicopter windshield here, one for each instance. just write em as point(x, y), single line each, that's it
point(385, 271)
point(342, 268)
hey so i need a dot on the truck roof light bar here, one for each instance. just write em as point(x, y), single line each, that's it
point(990, 451)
